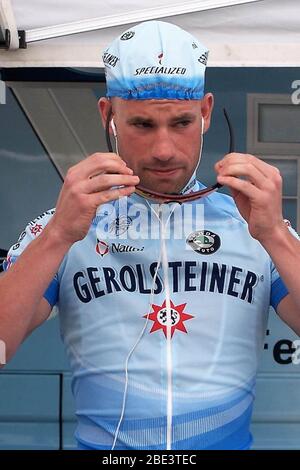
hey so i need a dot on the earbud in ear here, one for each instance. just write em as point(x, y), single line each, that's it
point(202, 126)
point(113, 127)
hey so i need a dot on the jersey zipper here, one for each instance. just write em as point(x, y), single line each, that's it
point(169, 361)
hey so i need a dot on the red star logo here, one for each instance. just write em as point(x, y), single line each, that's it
point(159, 317)
point(36, 229)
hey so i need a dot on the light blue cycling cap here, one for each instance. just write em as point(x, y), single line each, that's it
point(155, 60)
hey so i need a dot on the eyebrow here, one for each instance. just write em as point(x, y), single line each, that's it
point(145, 120)
point(139, 120)
point(184, 117)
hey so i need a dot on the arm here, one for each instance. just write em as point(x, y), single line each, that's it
point(258, 198)
point(87, 186)
point(22, 287)
point(284, 250)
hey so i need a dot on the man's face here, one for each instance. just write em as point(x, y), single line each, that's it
point(160, 139)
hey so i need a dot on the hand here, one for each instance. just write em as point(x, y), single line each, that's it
point(88, 185)
point(257, 196)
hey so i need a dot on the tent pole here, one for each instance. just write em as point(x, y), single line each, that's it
point(94, 24)
point(8, 25)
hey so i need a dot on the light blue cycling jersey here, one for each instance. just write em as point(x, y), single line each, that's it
point(183, 315)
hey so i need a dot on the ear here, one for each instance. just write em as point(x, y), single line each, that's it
point(207, 104)
point(104, 106)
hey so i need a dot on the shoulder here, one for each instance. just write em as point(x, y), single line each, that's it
point(223, 200)
point(36, 225)
point(33, 229)
point(223, 205)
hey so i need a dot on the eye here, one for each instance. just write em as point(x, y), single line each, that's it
point(183, 123)
point(142, 125)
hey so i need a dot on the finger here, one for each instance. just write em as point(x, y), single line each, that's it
point(243, 186)
point(247, 170)
point(95, 164)
point(268, 170)
point(80, 179)
point(104, 182)
point(111, 167)
point(110, 195)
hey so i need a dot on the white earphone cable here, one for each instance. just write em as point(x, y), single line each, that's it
point(141, 333)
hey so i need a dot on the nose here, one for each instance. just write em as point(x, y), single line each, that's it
point(163, 147)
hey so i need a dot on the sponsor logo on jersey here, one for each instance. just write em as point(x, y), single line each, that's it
point(102, 248)
point(127, 35)
point(22, 236)
point(93, 282)
point(7, 264)
point(204, 242)
point(160, 70)
point(203, 58)
point(120, 225)
point(110, 59)
point(42, 216)
point(36, 229)
point(160, 318)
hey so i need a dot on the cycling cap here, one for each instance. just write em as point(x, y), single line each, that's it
point(155, 60)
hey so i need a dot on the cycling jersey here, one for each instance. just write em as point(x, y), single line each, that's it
point(191, 388)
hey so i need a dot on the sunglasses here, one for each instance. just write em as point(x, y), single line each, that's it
point(162, 197)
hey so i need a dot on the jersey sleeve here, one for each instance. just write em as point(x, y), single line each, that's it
point(33, 230)
point(278, 288)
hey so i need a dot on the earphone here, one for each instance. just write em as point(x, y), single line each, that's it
point(115, 134)
point(113, 128)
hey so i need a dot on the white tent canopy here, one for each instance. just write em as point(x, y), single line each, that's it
point(238, 33)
